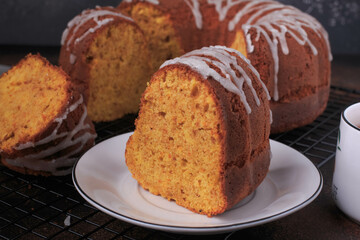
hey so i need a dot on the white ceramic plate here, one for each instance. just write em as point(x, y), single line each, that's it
point(102, 178)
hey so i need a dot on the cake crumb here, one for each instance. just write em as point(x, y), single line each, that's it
point(67, 221)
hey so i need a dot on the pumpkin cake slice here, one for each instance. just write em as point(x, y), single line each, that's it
point(202, 135)
point(43, 119)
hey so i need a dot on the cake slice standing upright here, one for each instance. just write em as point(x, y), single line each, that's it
point(202, 135)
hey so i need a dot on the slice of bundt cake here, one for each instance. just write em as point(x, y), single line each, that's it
point(106, 55)
point(44, 123)
point(202, 135)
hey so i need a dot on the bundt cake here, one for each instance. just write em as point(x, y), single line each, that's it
point(106, 55)
point(289, 48)
point(44, 123)
point(202, 134)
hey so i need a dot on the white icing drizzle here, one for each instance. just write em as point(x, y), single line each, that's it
point(150, 1)
point(195, 9)
point(41, 161)
point(273, 20)
point(81, 19)
point(99, 23)
point(249, 66)
point(223, 9)
point(72, 58)
point(198, 60)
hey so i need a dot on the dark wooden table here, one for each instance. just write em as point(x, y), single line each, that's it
point(35, 207)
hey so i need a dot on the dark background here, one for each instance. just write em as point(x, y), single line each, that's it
point(41, 22)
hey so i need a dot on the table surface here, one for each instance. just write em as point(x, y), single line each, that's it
point(36, 207)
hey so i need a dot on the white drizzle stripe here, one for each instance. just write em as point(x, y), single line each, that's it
point(100, 23)
point(84, 17)
point(239, 82)
point(257, 74)
point(220, 57)
point(38, 162)
point(194, 6)
point(223, 9)
point(266, 15)
point(72, 58)
point(195, 9)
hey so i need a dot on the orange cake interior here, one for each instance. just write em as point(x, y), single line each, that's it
point(179, 114)
point(113, 91)
point(160, 34)
point(31, 94)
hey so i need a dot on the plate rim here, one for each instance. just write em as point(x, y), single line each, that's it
point(197, 230)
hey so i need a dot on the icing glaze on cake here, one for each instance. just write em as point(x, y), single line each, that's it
point(61, 165)
point(289, 48)
point(194, 5)
point(45, 123)
point(222, 59)
point(76, 23)
point(271, 19)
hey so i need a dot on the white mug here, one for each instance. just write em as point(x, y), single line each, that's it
point(346, 179)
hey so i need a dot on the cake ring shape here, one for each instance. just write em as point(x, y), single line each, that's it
point(289, 48)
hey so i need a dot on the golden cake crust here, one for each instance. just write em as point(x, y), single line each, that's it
point(246, 164)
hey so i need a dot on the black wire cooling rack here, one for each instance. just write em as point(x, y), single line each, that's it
point(51, 208)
